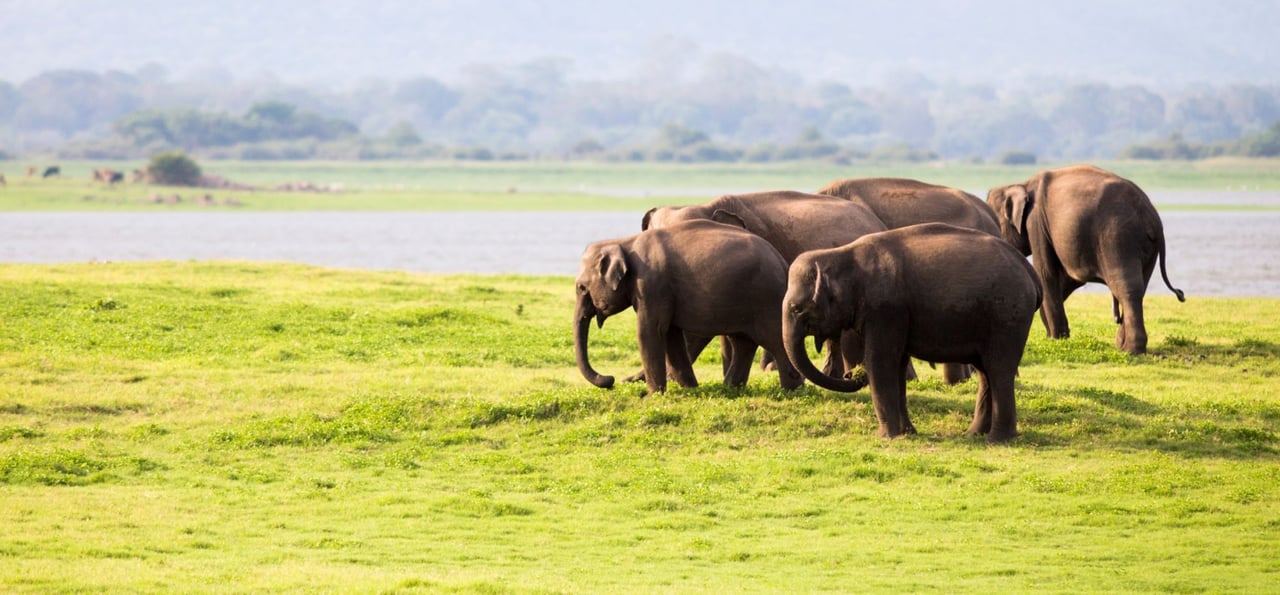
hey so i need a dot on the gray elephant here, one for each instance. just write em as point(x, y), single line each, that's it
point(792, 222)
point(900, 202)
point(1081, 224)
point(933, 291)
point(699, 277)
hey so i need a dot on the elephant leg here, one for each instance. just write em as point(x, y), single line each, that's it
point(1131, 336)
point(888, 390)
point(907, 426)
point(909, 370)
point(981, 408)
point(852, 349)
point(1052, 312)
point(955, 373)
point(694, 346)
point(739, 369)
point(995, 412)
point(653, 351)
point(767, 361)
point(679, 365)
point(788, 376)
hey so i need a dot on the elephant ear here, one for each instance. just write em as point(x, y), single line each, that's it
point(1018, 206)
point(613, 266)
point(648, 216)
point(728, 218)
point(819, 283)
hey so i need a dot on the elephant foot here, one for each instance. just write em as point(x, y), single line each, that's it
point(979, 427)
point(1134, 347)
point(637, 377)
point(888, 434)
point(996, 437)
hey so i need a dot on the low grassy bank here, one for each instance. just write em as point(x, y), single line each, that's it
point(479, 186)
point(241, 426)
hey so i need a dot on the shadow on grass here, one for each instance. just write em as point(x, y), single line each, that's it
point(1189, 350)
point(1087, 417)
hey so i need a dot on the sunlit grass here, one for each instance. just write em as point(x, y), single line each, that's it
point(246, 427)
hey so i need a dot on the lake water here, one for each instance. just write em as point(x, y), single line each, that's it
point(1225, 253)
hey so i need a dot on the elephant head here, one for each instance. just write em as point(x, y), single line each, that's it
point(604, 288)
point(818, 303)
point(1012, 206)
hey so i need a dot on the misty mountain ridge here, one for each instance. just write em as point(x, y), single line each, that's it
point(660, 80)
point(343, 42)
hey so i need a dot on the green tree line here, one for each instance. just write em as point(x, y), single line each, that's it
point(721, 108)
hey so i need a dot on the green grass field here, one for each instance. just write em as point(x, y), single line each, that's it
point(472, 186)
point(229, 426)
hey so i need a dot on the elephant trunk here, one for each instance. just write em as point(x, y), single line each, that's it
point(793, 340)
point(582, 322)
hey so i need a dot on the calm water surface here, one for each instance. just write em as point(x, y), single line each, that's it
point(1235, 253)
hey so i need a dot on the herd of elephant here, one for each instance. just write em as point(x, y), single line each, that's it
point(877, 270)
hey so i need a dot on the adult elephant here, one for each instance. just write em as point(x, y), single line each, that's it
point(900, 202)
point(698, 277)
point(934, 291)
point(792, 222)
point(1081, 224)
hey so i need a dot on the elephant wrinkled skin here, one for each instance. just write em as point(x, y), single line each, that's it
point(934, 291)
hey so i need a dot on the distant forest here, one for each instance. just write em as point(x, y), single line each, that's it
point(728, 109)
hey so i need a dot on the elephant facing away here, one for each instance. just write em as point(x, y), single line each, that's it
point(900, 202)
point(933, 291)
point(699, 277)
point(1081, 224)
point(792, 222)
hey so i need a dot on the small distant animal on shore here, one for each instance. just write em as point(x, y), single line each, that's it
point(2, 181)
point(110, 176)
point(52, 171)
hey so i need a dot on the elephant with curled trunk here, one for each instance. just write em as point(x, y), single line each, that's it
point(698, 277)
point(792, 222)
point(934, 291)
point(1081, 224)
point(900, 202)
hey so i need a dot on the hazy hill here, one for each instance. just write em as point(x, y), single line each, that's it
point(1167, 42)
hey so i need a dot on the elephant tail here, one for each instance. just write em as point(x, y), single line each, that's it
point(1165, 274)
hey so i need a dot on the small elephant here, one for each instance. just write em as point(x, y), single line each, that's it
point(1081, 224)
point(933, 291)
point(792, 222)
point(698, 277)
point(900, 202)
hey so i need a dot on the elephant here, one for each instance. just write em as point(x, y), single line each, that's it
point(933, 291)
point(792, 222)
point(900, 202)
point(698, 277)
point(1081, 224)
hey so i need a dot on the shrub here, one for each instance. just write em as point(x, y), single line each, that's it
point(1018, 158)
point(173, 168)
